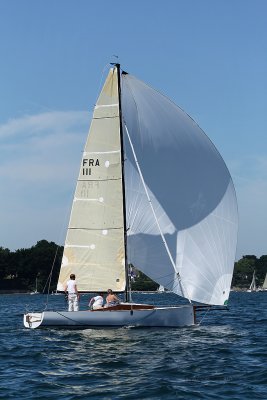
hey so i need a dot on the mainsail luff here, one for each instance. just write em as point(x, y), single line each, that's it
point(127, 285)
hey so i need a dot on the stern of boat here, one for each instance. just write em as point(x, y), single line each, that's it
point(33, 320)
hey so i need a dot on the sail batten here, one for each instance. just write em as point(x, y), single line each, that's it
point(106, 105)
point(101, 152)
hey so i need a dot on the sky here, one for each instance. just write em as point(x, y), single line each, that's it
point(208, 56)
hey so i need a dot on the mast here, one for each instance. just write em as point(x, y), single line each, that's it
point(127, 291)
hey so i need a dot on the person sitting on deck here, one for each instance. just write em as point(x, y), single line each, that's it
point(111, 299)
point(96, 302)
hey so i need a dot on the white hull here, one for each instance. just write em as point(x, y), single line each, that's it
point(156, 317)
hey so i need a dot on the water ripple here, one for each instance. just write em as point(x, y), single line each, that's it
point(225, 358)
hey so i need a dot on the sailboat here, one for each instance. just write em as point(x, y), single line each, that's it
point(152, 192)
point(36, 287)
point(253, 287)
point(161, 289)
point(264, 286)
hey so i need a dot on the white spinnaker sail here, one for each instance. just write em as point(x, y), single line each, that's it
point(94, 247)
point(264, 286)
point(191, 186)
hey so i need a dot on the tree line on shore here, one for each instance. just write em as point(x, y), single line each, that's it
point(21, 269)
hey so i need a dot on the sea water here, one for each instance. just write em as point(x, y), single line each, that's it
point(225, 357)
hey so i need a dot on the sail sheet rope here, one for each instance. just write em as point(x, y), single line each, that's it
point(183, 289)
point(49, 279)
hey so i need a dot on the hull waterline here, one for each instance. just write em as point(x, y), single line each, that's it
point(148, 317)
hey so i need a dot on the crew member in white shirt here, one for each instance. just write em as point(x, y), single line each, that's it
point(96, 302)
point(73, 295)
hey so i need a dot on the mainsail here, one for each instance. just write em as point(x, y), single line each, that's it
point(94, 247)
point(190, 190)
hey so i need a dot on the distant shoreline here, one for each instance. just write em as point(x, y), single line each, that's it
point(13, 291)
point(238, 289)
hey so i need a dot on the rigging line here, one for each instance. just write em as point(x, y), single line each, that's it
point(184, 292)
point(132, 205)
point(71, 319)
point(200, 322)
point(58, 246)
point(165, 276)
point(102, 79)
point(173, 282)
point(50, 277)
point(175, 285)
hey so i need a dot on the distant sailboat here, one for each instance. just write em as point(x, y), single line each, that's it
point(152, 192)
point(253, 287)
point(36, 287)
point(264, 286)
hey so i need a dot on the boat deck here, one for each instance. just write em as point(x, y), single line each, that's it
point(124, 306)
